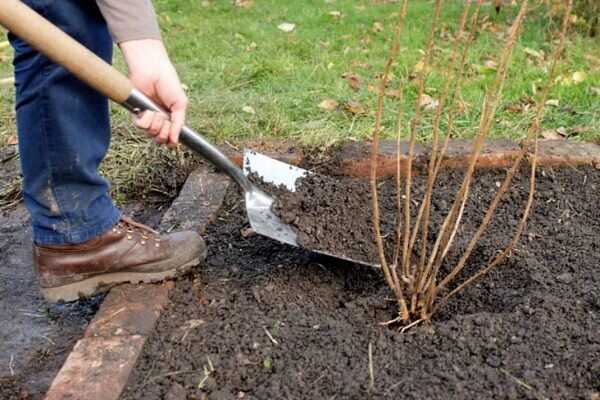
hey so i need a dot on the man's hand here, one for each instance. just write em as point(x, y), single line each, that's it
point(151, 72)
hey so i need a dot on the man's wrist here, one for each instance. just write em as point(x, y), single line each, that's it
point(138, 52)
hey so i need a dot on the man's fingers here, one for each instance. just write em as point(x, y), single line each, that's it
point(163, 135)
point(144, 120)
point(158, 120)
point(177, 121)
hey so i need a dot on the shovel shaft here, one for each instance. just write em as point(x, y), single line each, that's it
point(91, 69)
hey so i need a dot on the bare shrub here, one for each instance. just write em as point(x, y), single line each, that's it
point(413, 272)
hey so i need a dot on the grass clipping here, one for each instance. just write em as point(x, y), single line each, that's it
point(413, 273)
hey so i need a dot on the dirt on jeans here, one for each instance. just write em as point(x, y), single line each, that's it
point(268, 321)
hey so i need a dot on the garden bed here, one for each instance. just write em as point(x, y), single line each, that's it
point(263, 320)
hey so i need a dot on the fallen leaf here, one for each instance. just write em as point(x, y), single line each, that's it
point(7, 81)
point(352, 79)
point(491, 65)
point(573, 18)
point(534, 53)
point(12, 140)
point(552, 103)
point(328, 105)
point(377, 27)
point(551, 134)
point(354, 107)
point(286, 26)
point(565, 80)
point(562, 131)
point(335, 14)
point(390, 76)
point(361, 64)
point(595, 90)
point(524, 105)
point(243, 3)
point(514, 108)
point(248, 110)
point(393, 93)
point(251, 47)
point(579, 77)
point(429, 103)
point(420, 66)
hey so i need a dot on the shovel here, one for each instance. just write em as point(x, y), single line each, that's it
point(81, 62)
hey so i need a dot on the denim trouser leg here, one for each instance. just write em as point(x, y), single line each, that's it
point(64, 132)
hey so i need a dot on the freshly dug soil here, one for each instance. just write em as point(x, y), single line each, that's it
point(331, 215)
point(266, 321)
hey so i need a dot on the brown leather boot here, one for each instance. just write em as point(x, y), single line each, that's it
point(129, 252)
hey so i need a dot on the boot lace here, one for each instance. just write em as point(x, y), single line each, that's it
point(136, 231)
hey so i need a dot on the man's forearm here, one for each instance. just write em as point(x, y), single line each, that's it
point(130, 19)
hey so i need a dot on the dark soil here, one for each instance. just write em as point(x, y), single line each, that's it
point(267, 321)
point(334, 215)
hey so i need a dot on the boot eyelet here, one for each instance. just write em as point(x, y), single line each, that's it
point(157, 245)
point(129, 237)
point(143, 242)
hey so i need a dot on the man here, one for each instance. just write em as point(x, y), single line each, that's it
point(82, 243)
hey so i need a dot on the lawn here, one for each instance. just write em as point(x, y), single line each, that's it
point(247, 78)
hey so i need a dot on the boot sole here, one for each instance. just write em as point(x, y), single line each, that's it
point(102, 283)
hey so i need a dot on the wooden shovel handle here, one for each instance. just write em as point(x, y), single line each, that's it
point(25, 23)
point(64, 50)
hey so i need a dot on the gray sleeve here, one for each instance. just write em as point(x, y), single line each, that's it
point(130, 19)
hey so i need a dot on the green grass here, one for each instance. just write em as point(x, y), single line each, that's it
point(232, 58)
point(288, 74)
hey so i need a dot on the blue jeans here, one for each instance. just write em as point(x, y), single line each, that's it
point(64, 132)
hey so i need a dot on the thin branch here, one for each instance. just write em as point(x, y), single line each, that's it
point(454, 108)
point(399, 128)
point(489, 109)
point(389, 274)
point(532, 134)
point(406, 250)
point(424, 209)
